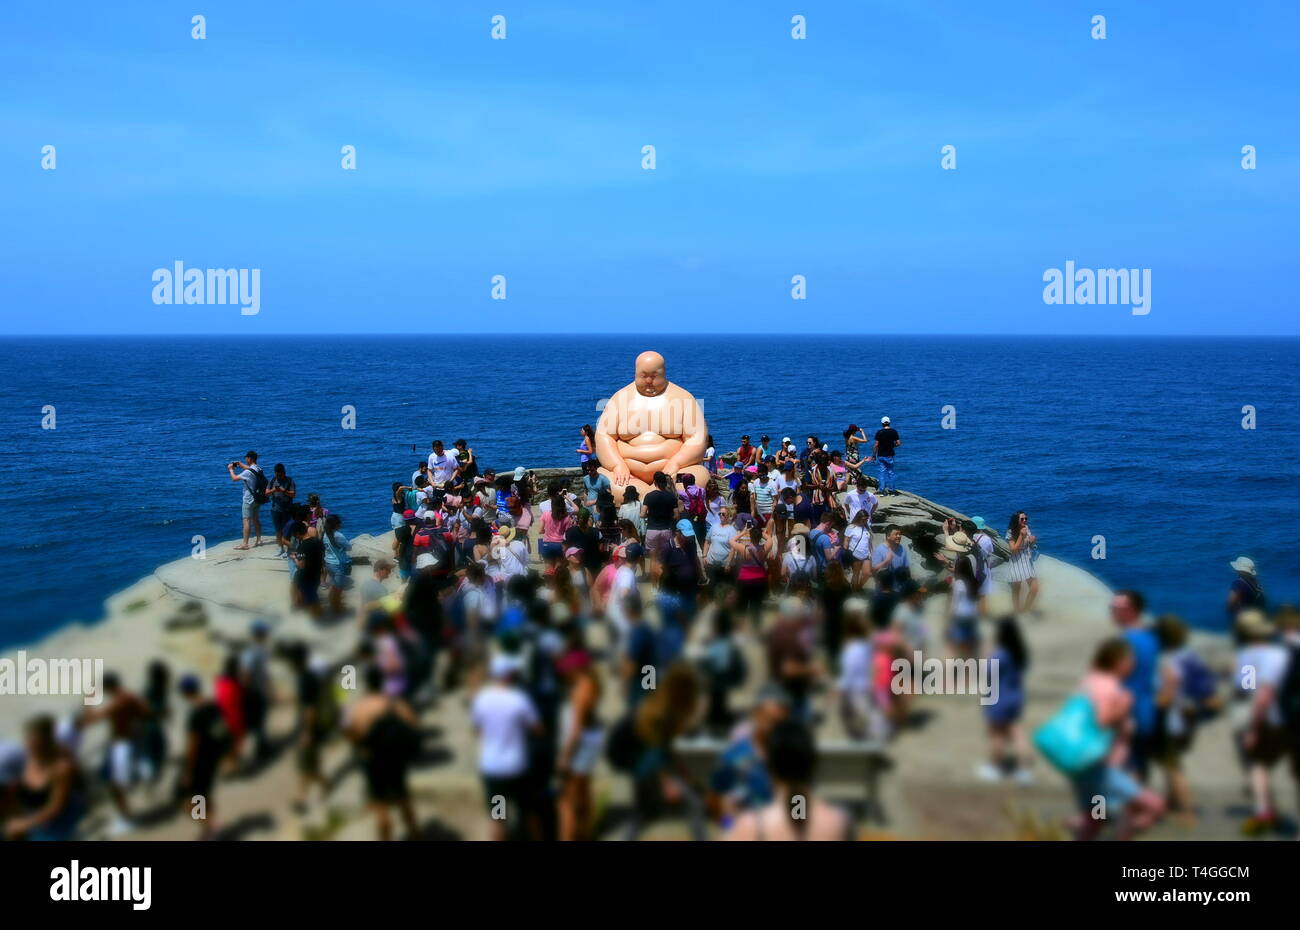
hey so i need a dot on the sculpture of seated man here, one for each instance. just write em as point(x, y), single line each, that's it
point(651, 425)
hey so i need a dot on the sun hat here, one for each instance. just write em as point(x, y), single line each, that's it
point(684, 527)
point(1254, 622)
point(958, 542)
point(519, 473)
point(506, 533)
point(799, 529)
point(1243, 564)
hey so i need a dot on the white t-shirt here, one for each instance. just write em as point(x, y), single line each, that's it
point(476, 599)
point(783, 482)
point(853, 502)
point(855, 667)
point(442, 469)
point(713, 515)
point(1269, 662)
point(624, 583)
point(503, 716)
point(719, 540)
point(857, 541)
point(962, 605)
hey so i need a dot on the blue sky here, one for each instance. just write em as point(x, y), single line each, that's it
point(775, 157)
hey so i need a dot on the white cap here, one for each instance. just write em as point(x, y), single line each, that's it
point(786, 440)
point(884, 420)
point(519, 473)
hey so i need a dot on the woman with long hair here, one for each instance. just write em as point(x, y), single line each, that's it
point(853, 437)
point(581, 739)
point(555, 523)
point(658, 781)
point(1020, 567)
point(588, 448)
point(751, 576)
point(795, 812)
point(49, 797)
point(1009, 753)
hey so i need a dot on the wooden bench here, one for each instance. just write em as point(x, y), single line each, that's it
point(845, 768)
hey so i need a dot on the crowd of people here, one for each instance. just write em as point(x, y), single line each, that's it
point(578, 627)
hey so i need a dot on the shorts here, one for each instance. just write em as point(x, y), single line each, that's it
point(587, 753)
point(308, 758)
point(656, 541)
point(1117, 786)
point(203, 781)
point(310, 594)
point(550, 550)
point(513, 788)
point(121, 759)
point(964, 630)
point(385, 781)
point(251, 511)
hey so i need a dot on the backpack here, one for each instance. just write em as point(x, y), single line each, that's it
point(1197, 679)
point(802, 573)
point(259, 486)
point(1288, 692)
point(695, 505)
point(624, 746)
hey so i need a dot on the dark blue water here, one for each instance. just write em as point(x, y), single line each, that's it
point(1136, 440)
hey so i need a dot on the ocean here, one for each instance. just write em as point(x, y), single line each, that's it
point(1139, 441)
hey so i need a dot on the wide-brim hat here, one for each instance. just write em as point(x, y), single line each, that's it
point(1253, 622)
point(506, 533)
point(957, 542)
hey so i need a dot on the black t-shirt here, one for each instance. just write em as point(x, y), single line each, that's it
point(423, 606)
point(312, 551)
point(209, 725)
point(659, 507)
point(886, 439)
point(681, 570)
point(589, 542)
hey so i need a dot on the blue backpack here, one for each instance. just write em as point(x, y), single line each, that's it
point(1197, 679)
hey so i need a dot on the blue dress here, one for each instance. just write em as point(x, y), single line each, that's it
point(1011, 691)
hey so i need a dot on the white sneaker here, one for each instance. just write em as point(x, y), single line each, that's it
point(986, 771)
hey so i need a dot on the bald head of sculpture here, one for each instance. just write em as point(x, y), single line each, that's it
point(651, 425)
point(651, 379)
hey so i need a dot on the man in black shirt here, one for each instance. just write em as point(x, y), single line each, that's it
point(660, 511)
point(207, 740)
point(310, 557)
point(882, 450)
